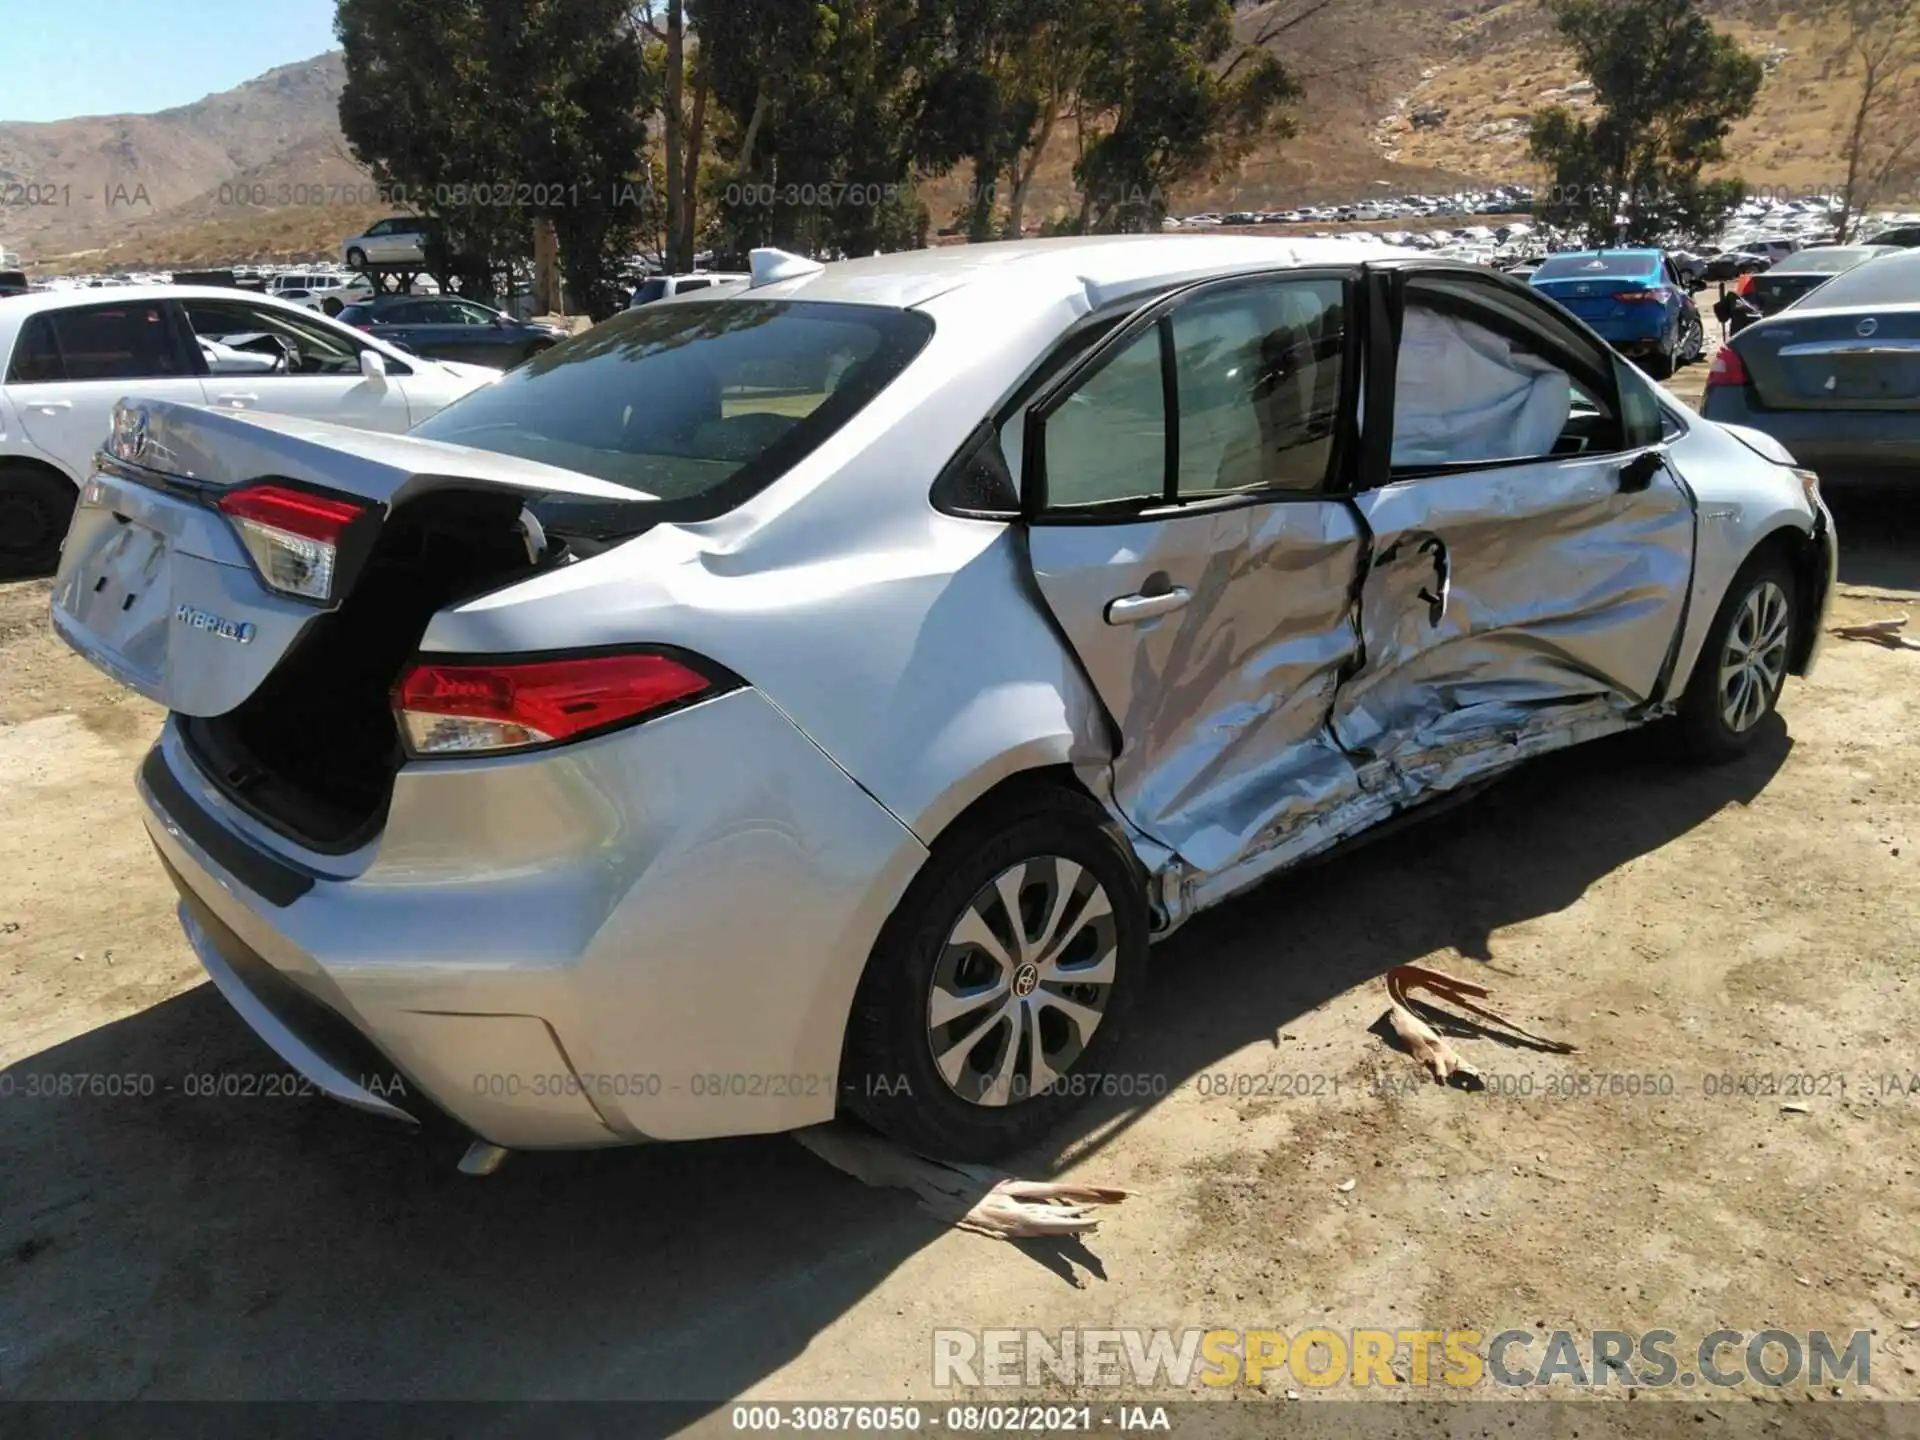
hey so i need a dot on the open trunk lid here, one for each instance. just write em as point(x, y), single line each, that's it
point(156, 586)
point(1834, 360)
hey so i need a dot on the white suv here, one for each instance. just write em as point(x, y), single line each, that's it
point(67, 355)
point(664, 287)
point(326, 291)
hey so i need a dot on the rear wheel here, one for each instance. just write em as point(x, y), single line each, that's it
point(1662, 362)
point(1001, 987)
point(1743, 665)
point(1693, 339)
point(36, 507)
point(357, 258)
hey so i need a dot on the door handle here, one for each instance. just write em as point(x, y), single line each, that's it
point(238, 399)
point(50, 407)
point(1132, 609)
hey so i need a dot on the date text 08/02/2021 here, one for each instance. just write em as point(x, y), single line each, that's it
point(909, 1419)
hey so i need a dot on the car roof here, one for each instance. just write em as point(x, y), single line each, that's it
point(1095, 263)
point(1812, 258)
point(1906, 261)
point(41, 300)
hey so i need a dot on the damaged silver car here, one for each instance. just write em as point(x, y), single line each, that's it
point(820, 697)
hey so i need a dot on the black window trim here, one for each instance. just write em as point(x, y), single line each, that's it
point(1149, 313)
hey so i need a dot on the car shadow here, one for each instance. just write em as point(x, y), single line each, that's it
point(168, 1245)
point(1879, 533)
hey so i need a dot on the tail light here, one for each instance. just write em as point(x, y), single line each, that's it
point(1743, 283)
point(479, 708)
point(1728, 368)
point(1641, 297)
point(294, 536)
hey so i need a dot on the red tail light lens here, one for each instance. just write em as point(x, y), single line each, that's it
point(467, 709)
point(293, 535)
point(1641, 297)
point(1728, 368)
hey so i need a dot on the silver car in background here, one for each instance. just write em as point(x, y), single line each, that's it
point(820, 697)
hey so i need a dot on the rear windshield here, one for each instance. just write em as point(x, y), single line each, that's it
point(697, 405)
point(1890, 280)
point(648, 291)
point(1576, 267)
point(1821, 262)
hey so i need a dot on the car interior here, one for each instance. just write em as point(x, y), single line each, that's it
point(300, 348)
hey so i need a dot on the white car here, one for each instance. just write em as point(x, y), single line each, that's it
point(393, 241)
point(819, 695)
point(67, 356)
point(665, 287)
point(327, 291)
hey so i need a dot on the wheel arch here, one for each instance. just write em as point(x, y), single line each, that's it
point(1804, 553)
point(33, 463)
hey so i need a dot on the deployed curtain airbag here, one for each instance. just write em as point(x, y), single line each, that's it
point(1466, 394)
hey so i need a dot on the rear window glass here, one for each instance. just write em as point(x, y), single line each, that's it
point(696, 405)
point(116, 342)
point(1821, 262)
point(35, 357)
point(1890, 280)
point(648, 291)
point(1575, 267)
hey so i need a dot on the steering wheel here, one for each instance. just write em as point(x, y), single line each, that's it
point(286, 359)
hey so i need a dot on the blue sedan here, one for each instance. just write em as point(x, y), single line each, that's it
point(1633, 299)
point(446, 327)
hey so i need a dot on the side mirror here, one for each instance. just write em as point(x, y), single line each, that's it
point(373, 365)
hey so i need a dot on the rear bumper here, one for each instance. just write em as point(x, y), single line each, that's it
point(1840, 444)
point(655, 935)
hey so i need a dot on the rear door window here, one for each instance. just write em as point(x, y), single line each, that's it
point(36, 359)
point(106, 342)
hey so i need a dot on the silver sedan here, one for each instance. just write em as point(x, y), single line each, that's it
point(820, 697)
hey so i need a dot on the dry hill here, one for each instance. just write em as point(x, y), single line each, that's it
point(1401, 95)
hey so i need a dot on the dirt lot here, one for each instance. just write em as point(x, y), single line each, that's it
point(1758, 920)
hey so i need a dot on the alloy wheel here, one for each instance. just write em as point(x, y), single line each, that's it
point(1023, 982)
point(1754, 664)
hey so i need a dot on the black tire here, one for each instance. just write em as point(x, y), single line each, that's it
point(1693, 341)
point(36, 506)
point(890, 1076)
point(1663, 362)
point(1704, 729)
point(331, 306)
point(356, 259)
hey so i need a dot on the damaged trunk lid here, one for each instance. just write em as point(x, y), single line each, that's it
point(206, 546)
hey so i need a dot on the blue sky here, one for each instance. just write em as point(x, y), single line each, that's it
point(61, 58)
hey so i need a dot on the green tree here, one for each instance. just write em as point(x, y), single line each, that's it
point(515, 113)
point(1668, 88)
point(1170, 95)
